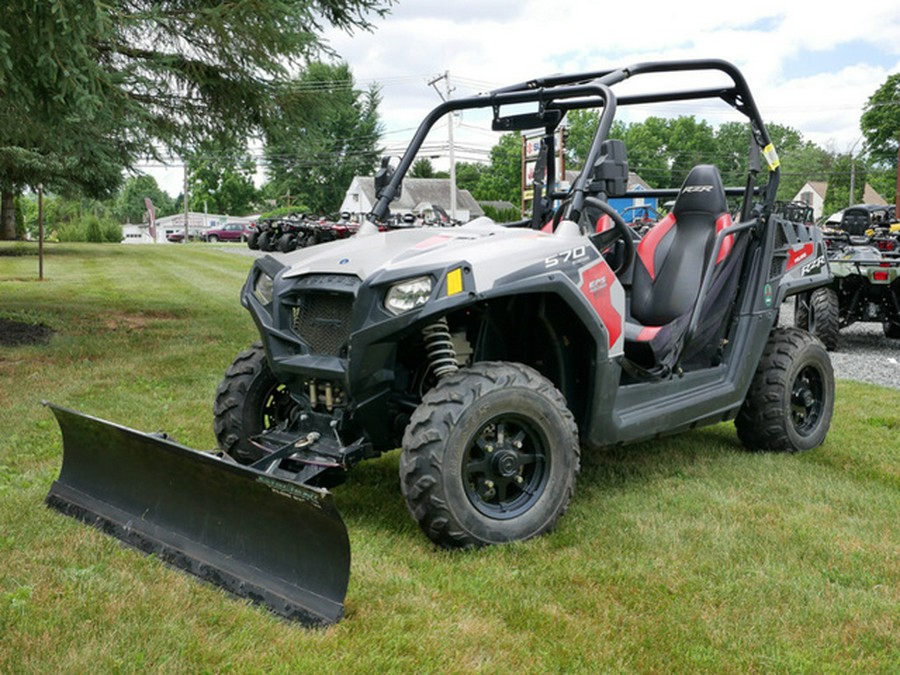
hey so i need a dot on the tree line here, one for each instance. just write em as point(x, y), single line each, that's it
point(309, 167)
point(89, 90)
point(662, 152)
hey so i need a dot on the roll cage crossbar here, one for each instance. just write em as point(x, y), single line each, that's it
point(558, 94)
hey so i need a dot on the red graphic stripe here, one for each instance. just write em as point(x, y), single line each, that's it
point(647, 248)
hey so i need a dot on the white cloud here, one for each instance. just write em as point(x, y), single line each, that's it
point(485, 45)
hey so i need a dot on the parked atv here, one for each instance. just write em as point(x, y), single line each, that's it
point(863, 220)
point(329, 230)
point(491, 354)
point(796, 211)
point(865, 286)
point(295, 231)
point(641, 218)
point(283, 233)
point(266, 235)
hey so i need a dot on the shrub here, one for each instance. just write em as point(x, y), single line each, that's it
point(501, 215)
point(90, 229)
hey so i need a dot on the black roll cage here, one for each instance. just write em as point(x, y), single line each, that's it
point(558, 94)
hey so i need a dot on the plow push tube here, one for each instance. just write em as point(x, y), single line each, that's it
point(277, 543)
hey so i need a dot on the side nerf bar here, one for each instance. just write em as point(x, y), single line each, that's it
point(275, 542)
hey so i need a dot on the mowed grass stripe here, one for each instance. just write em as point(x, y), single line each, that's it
point(686, 554)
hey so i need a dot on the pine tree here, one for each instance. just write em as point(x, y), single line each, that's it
point(86, 88)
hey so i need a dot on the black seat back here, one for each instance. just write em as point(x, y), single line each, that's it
point(673, 255)
point(855, 222)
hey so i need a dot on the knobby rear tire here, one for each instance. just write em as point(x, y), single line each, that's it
point(891, 329)
point(824, 319)
point(791, 398)
point(287, 243)
point(266, 241)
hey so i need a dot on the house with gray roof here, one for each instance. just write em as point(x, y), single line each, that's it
point(419, 197)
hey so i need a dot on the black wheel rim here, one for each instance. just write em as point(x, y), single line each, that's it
point(506, 467)
point(277, 406)
point(807, 400)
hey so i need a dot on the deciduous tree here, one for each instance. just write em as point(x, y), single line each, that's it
point(129, 205)
point(422, 168)
point(323, 132)
point(220, 180)
point(880, 124)
point(501, 180)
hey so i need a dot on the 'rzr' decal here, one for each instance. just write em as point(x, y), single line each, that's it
point(813, 266)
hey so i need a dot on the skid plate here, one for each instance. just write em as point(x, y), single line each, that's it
point(275, 542)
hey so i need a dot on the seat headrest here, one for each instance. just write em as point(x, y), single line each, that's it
point(702, 191)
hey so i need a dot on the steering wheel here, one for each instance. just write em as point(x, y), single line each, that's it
point(620, 230)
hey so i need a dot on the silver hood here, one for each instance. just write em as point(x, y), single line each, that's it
point(490, 249)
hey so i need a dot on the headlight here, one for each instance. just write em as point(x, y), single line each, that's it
point(407, 295)
point(264, 288)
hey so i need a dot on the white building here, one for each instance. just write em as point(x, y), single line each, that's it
point(813, 194)
point(197, 224)
point(419, 196)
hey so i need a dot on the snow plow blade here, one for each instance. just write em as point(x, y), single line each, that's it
point(278, 543)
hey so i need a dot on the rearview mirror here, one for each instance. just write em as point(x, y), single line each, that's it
point(383, 178)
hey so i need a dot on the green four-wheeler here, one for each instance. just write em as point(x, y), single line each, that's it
point(864, 259)
point(492, 354)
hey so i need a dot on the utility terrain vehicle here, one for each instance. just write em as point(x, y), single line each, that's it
point(491, 354)
point(864, 258)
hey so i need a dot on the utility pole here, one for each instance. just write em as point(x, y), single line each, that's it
point(853, 172)
point(449, 90)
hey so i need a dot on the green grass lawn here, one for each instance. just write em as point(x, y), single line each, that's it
point(682, 555)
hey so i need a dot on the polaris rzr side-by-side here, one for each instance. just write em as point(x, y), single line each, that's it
point(864, 258)
point(492, 354)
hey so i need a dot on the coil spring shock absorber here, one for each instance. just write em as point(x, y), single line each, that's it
point(440, 349)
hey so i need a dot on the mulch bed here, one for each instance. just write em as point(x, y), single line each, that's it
point(18, 333)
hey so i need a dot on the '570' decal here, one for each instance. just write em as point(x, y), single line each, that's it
point(572, 255)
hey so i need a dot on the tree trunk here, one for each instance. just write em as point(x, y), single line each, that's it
point(7, 215)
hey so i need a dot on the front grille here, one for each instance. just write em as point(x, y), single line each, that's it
point(322, 320)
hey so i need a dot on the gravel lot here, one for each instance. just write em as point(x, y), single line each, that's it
point(863, 353)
